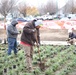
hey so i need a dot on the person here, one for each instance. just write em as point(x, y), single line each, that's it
point(71, 36)
point(30, 37)
point(12, 33)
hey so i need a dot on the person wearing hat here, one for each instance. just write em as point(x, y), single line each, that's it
point(12, 33)
point(29, 37)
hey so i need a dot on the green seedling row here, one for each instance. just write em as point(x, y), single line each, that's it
point(58, 60)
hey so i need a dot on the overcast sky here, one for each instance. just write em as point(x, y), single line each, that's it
point(61, 3)
point(37, 3)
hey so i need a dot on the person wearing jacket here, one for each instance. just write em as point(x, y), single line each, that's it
point(71, 36)
point(12, 33)
point(29, 37)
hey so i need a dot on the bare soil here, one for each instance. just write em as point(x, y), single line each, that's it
point(53, 34)
point(45, 34)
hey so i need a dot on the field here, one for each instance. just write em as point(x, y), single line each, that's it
point(57, 59)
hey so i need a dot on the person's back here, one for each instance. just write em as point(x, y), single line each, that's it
point(71, 35)
point(74, 35)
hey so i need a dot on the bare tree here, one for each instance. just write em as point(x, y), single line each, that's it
point(6, 6)
point(51, 7)
point(22, 9)
point(70, 7)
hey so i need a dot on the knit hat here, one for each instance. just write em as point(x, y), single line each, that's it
point(38, 23)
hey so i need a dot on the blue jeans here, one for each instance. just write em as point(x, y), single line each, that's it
point(12, 45)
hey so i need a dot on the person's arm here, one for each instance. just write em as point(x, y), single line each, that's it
point(29, 30)
point(12, 31)
point(38, 38)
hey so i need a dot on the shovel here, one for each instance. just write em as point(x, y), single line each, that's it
point(41, 63)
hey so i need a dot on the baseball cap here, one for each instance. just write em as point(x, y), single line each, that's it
point(38, 23)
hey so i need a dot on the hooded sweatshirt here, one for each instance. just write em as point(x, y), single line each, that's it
point(12, 30)
point(28, 36)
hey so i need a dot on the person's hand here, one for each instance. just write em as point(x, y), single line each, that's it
point(34, 30)
point(38, 45)
point(19, 32)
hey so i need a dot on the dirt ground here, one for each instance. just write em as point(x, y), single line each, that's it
point(53, 34)
point(45, 34)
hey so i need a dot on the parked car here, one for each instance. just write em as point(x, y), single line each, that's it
point(29, 18)
point(64, 19)
point(21, 19)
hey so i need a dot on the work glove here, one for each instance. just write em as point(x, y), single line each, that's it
point(34, 30)
point(19, 32)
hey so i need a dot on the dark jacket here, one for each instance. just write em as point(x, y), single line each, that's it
point(11, 29)
point(72, 35)
point(28, 36)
